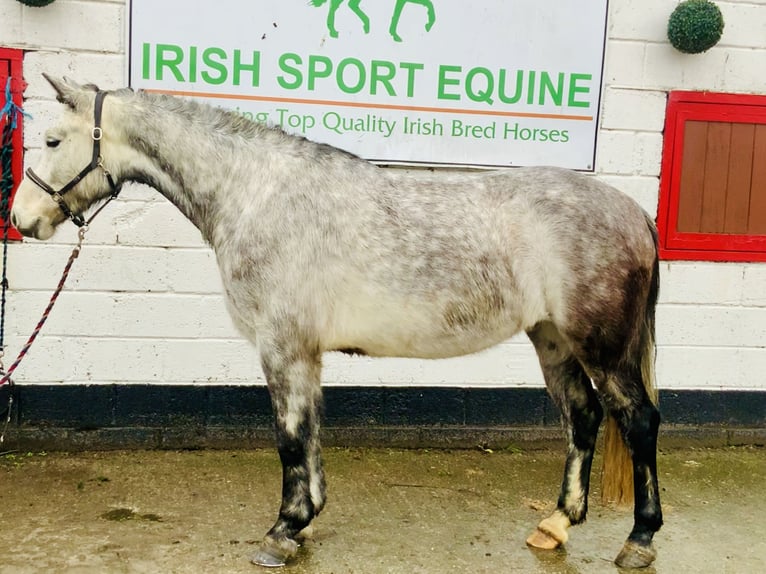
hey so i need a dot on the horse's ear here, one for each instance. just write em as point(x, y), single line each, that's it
point(66, 89)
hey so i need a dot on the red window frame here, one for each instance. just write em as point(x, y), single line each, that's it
point(15, 60)
point(702, 106)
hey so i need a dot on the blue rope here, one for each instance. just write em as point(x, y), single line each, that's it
point(10, 109)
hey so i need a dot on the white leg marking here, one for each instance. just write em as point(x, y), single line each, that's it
point(296, 412)
point(575, 496)
point(315, 487)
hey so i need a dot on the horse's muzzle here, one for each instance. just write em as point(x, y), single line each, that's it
point(31, 228)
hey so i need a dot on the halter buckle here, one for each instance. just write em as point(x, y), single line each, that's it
point(97, 133)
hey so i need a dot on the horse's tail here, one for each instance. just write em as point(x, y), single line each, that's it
point(617, 469)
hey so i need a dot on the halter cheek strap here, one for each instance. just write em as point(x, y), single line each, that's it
point(95, 162)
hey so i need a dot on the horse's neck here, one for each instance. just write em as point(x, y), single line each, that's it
point(186, 165)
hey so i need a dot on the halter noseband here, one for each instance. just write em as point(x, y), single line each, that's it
point(95, 162)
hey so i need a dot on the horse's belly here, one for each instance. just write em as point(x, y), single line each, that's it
point(422, 331)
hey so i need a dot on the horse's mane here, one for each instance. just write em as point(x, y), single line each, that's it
point(218, 120)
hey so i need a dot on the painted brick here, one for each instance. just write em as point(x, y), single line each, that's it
point(639, 110)
point(245, 405)
point(75, 359)
point(513, 363)
point(138, 218)
point(624, 63)
point(744, 24)
point(646, 20)
point(668, 69)
point(355, 406)
point(645, 190)
point(742, 70)
point(689, 367)
point(137, 361)
point(497, 406)
point(118, 269)
point(153, 222)
point(211, 362)
point(105, 70)
point(629, 153)
point(44, 113)
point(10, 24)
point(62, 405)
point(158, 405)
point(614, 152)
point(125, 315)
point(754, 286)
point(711, 326)
point(95, 26)
point(702, 283)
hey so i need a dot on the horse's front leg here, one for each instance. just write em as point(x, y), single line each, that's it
point(293, 376)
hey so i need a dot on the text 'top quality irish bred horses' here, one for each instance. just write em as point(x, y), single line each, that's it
point(322, 251)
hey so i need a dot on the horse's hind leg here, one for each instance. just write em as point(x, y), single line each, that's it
point(638, 419)
point(581, 412)
point(293, 376)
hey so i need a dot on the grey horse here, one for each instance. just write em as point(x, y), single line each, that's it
point(322, 251)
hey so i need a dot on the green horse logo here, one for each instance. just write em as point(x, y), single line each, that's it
point(392, 29)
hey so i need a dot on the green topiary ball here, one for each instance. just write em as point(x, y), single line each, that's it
point(36, 3)
point(695, 26)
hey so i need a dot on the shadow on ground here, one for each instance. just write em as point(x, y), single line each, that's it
point(389, 511)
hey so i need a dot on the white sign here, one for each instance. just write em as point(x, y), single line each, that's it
point(436, 82)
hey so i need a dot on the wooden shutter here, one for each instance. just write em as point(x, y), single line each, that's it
point(713, 183)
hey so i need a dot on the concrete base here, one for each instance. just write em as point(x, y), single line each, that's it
point(389, 511)
point(444, 437)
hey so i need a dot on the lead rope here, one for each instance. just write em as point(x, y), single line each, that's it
point(6, 376)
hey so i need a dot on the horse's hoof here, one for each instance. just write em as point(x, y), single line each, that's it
point(542, 540)
point(635, 555)
point(275, 553)
point(551, 532)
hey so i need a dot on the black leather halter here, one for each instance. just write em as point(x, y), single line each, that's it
point(95, 162)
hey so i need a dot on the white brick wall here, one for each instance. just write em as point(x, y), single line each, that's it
point(144, 302)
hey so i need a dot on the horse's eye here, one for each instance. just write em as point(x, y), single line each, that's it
point(52, 142)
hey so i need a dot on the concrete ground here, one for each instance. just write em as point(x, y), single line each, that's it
point(389, 511)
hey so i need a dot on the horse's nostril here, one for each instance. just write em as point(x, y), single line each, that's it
point(30, 229)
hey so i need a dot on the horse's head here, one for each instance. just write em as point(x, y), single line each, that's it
point(70, 175)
